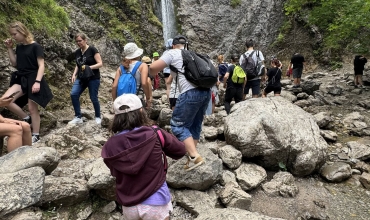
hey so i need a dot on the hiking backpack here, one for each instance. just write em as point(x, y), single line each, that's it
point(199, 70)
point(251, 68)
point(127, 81)
point(239, 75)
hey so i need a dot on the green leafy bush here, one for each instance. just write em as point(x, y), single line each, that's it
point(235, 3)
point(43, 16)
point(341, 22)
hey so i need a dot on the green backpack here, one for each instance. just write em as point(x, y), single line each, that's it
point(239, 75)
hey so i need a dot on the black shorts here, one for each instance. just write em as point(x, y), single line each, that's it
point(359, 72)
point(275, 89)
point(166, 75)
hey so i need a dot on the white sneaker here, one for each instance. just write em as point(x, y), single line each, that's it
point(76, 120)
point(98, 121)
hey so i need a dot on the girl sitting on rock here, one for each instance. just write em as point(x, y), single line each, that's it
point(136, 156)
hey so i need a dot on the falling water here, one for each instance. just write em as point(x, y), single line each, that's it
point(168, 19)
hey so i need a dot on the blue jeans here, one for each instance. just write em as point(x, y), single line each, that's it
point(187, 116)
point(77, 90)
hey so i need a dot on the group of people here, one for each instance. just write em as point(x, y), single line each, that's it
point(136, 152)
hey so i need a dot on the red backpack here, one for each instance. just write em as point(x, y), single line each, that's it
point(156, 82)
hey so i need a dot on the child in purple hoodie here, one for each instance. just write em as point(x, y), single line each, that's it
point(136, 156)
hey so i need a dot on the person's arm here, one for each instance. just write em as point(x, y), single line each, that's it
point(144, 83)
point(172, 146)
point(5, 101)
point(168, 85)
point(12, 57)
point(99, 62)
point(225, 78)
point(115, 83)
point(40, 74)
point(156, 67)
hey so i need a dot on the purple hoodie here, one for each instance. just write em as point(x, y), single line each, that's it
point(135, 159)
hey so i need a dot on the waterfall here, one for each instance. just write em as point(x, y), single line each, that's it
point(168, 19)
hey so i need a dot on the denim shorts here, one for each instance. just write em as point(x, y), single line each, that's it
point(187, 117)
point(254, 85)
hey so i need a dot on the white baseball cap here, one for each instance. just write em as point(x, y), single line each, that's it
point(126, 103)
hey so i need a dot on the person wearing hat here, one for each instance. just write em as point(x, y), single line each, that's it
point(155, 56)
point(191, 104)
point(134, 156)
point(132, 55)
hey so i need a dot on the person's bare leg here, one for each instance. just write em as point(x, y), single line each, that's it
point(26, 135)
point(35, 115)
point(360, 82)
point(295, 81)
point(12, 106)
point(14, 132)
point(190, 146)
point(356, 80)
point(298, 81)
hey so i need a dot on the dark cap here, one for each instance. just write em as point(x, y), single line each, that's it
point(179, 39)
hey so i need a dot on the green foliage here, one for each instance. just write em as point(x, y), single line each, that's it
point(341, 22)
point(43, 16)
point(235, 3)
point(282, 166)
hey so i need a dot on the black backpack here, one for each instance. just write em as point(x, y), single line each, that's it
point(199, 69)
point(249, 66)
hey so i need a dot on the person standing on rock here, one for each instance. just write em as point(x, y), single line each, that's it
point(257, 56)
point(136, 156)
point(233, 90)
point(298, 62)
point(88, 61)
point(273, 78)
point(191, 105)
point(29, 80)
point(359, 66)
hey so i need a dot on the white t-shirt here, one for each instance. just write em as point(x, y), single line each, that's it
point(254, 57)
point(174, 91)
point(173, 57)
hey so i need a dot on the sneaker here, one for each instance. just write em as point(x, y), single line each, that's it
point(98, 121)
point(28, 120)
point(197, 161)
point(76, 120)
point(35, 139)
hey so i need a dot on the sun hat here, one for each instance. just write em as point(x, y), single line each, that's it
point(146, 59)
point(131, 51)
point(126, 103)
point(179, 39)
point(155, 54)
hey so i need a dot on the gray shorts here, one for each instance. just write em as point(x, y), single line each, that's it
point(297, 73)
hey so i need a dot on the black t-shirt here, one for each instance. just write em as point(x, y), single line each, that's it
point(27, 58)
point(229, 82)
point(359, 64)
point(297, 61)
point(274, 76)
point(87, 59)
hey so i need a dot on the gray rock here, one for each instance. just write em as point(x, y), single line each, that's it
point(110, 207)
point(234, 197)
point(276, 131)
point(200, 178)
point(329, 135)
point(85, 212)
point(73, 168)
point(359, 149)
point(27, 157)
point(323, 119)
point(288, 96)
point(230, 156)
point(233, 214)
point(195, 202)
point(365, 180)
point(302, 95)
point(210, 133)
point(310, 86)
point(282, 184)
point(20, 189)
point(98, 175)
point(227, 176)
point(164, 117)
point(250, 176)
point(63, 191)
point(336, 172)
point(25, 214)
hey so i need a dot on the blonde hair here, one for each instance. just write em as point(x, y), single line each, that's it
point(22, 29)
point(220, 58)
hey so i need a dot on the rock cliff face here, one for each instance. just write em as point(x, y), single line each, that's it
point(215, 27)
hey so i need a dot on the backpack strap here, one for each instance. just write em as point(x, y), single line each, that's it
point(123, 70)
point(158, 131)
point(133, 72)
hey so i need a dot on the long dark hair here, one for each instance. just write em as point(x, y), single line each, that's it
point(129, 121)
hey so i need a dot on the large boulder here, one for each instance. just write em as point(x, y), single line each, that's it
point(27, 157)
point(20, 189)
point(273, 130)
